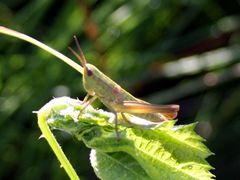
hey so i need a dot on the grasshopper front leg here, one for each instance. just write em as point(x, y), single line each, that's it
point(116, 123)
point(86, 103)
point(85, 99)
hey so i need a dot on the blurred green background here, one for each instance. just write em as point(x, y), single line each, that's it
point(167, 51)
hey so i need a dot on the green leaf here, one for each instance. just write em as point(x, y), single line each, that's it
point(117, 165)
point(163, 151)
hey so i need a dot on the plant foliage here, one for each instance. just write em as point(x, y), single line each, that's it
point(166, 151)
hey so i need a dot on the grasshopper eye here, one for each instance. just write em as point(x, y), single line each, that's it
point(89, 72)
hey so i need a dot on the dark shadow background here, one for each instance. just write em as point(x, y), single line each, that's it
point(170, 51)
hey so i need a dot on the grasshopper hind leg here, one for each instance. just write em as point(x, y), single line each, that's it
point(125, 118)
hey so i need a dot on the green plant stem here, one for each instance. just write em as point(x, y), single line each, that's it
point(46, 133)
point(31, 40)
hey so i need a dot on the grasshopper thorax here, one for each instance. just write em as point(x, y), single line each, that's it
point(97, 83)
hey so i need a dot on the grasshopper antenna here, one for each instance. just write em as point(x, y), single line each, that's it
point(84, 61)
point(80, 56)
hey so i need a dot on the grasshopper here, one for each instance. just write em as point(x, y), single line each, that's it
point(115, 98)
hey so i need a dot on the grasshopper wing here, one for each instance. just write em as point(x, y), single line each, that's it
point(141, 107)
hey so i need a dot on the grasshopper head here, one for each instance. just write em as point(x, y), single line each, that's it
point(89, 71)
point(91, 78)
point(94, 81)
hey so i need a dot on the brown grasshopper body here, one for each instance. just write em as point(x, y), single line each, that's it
point(120, 101)
point(117, 99)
